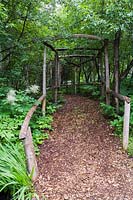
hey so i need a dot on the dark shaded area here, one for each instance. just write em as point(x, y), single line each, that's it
point(5, 196)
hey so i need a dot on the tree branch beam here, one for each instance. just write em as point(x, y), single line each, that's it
point(76, 56)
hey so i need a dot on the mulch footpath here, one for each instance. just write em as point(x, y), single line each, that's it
point(83, 160)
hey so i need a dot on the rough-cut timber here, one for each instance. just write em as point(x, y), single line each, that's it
point(76, 55)
point(44, 82)
point(49, 46)
point(56, 78)
point(30, 155)
point(107, 71)
point(91, 37)
point(78, 48)
point(116, 66)
point(126, 125)
point(24, 128)
point(119, 96)
point(83, 160)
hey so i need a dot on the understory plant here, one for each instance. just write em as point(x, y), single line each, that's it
point(13, 173)
point(117, 121)
point(12, 116)
point(90, 90)
point(14, 106)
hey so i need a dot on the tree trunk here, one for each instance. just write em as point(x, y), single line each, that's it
point(97, 69)
point(56, 79)
point(126, 71)
point(101, 73)
point(59, 74)
point(44, 83)
point(107, 71)
point(75, 80)
point(116, 66)
point(79, 74)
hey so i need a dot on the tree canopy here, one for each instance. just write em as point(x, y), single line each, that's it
point(24, 25)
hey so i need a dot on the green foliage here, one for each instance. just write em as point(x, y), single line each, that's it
point(51, 108)
point(13, 172)
point(12, 116)
point(108, 110)
point(44, 122)
point(24, 24)
point(39, 127)
point(127, 86)
point(130, 146)
point(90, 90)
point(117, 122)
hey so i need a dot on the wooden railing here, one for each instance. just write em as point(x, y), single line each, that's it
point(126, 120)
point(26, 136)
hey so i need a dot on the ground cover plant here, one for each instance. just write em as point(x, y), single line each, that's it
point(76, 42)
point(13, 108)
point(117, 119)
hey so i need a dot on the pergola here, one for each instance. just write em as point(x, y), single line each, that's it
point(89, 56)
point(25, 133)
point(101, 54)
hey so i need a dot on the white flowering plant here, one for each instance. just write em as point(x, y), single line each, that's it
point(32, 89)
point(11, 96)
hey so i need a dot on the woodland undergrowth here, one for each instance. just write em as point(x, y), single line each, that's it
point(13, 108)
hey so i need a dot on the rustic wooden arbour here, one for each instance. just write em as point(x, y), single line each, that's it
point(25, 133)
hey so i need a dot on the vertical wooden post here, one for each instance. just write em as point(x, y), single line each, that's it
point(107, 71)
point(30, 155)
point(59, 73)
point(116, 66)
point(79, 73)
point(101, 72)
point(44, 83)
point(97, 65)
point(126, 125)
point(56, 79)
point(51, 75)
point(75, 80)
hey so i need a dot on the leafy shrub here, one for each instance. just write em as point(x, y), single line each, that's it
point(91, 90)
point(118, 124)
point(130, 146)
point(12, 116)
point(108, 110)
point(51, 108)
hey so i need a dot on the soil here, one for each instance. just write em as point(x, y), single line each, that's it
point(83, 160)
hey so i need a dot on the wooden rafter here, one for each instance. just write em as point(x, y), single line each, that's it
point(78, 48)
point(91, 37)
point(78, 65)
point(49, 46)
point(75, 56)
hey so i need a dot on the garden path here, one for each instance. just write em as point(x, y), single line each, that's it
point(83, 160)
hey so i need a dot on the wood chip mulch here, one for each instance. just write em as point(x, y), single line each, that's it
point(83, 160)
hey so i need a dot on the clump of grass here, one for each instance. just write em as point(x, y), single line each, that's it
point(13, 172)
